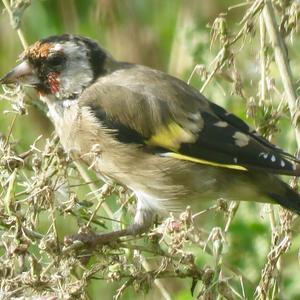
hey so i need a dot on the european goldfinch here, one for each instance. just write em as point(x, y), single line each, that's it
point(150, 132)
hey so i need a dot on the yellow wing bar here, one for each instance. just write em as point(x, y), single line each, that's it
point(203, 161)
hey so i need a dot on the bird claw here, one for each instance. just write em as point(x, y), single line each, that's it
point(94, 239)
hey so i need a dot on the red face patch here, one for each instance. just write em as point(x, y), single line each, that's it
point(53, 82)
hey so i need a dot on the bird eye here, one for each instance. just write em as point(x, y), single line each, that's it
point(56, 61)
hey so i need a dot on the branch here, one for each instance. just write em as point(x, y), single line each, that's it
point(282, 61)
point(19, 31)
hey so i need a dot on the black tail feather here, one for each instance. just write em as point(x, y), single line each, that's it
point(288, 199)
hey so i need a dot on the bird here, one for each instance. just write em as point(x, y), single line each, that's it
point(150, 132)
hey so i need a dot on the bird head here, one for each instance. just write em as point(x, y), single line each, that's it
point(62, 66)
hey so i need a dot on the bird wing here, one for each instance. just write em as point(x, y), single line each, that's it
point(168, 117)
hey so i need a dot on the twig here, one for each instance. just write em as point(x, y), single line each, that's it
point(19, 31)
point(262, 31)
point(157, 281)
point(280, 241)
point(282, 61)
point(93, 187)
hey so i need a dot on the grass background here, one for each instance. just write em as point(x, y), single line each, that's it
point(175, 36)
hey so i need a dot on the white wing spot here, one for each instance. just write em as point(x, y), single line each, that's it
point(221, 124)
point(273, 158)
point(241, 139)
point(294, 167)
point(282, 163)
point(263, 154)
point(235, 160)
point(195, 122)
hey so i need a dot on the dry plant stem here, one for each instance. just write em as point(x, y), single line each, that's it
point(10, 130)
point(24, 44)
point(282, 61)
point(232, 211)
point(250, 13)
point(280, 241)
point(219, 60)
point(157, 282)
point(93, 187)
point(19, 31)
point(100, 203)
point(221, 56)
point(263, 91)
point(262, 30)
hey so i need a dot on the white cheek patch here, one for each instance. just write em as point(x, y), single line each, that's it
point(78, 73)
point(57, 48)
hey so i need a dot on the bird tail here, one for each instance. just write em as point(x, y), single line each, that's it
point(285, 196)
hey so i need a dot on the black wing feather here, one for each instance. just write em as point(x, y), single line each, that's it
point(217, 144)
point(122, 133)
point(242, 126)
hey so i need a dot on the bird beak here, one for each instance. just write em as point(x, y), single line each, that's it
point(22, 73)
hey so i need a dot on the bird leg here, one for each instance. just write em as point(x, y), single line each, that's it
point(142, 222)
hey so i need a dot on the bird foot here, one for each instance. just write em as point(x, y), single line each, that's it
point(95, 239)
